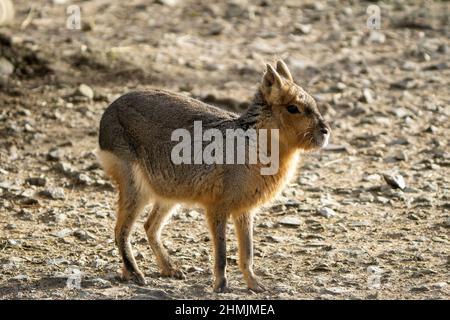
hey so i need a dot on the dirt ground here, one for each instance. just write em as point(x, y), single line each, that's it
point(339, 230)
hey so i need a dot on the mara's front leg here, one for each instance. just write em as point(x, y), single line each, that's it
point(244, 231)
point(217, 222)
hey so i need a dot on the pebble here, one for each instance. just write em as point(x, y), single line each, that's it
point(85, 91)
point(54, 154)
point(62, 233)
point(326, 212)
point(366, 197)
point(169, 3)
point(20, 277)
point(396, 181)
point(36, 181)
point(54, 193)
point(6, 67)
point(83, 235)
point(290, 221)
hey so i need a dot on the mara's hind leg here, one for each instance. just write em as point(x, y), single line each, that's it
point(132, 200)
point(153, 227)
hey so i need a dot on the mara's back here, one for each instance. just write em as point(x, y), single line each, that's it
point(137, 128)
point(145, 119)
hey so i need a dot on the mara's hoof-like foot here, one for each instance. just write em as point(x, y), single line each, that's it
point(221, 285)
point(136, 277)
point(173, 273)
point(255, 285)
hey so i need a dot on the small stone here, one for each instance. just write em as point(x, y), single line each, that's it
point(169, 3)
point(6, 67)
point(420, 289)
point(401, 156)
point(54, 193)
point(83, 179)
point(302, 28)
point(11, 226)
point(20, 277)
point(396, 181)
point(85, 91)
point(438, 285)
point(36, 181)
point(366, 197)
point(336, 290)
point(326, 212)
point(367, 96)
point(290, 222)
point(381, 199)
point(237, 8)
point(193, 214)
point(83, 235)
point(194, 269)
point(62, 233)
point(54, 154)
point(98, 283)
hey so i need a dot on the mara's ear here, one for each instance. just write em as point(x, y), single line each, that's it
point(272, 86)
point(271, 78)
point(283, 70)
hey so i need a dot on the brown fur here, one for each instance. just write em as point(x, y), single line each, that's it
point(135, 143)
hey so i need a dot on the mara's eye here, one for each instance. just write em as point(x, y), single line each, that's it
point(293, 109)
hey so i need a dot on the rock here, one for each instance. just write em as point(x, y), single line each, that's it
point(326, 212)
point(396, 181)
point(62, 233)
point(302, 28)
point(367, 96)
point(195, 269)
point(65, 168)
point(237, 8)
point(98, 283)
point(36, 181)
point(6, 67)
point(290, 222)
point(54, 193)
point(20, 277)
point(169, 3)
point(11, 226)
point(420, 289)
point(83, 179)
point(193, 214)
point(382, 200)
point(83, 235)
point(366, 197)
point(336, 290)
point(438, 285)
point(54, 154)
point(401, 155)
point(6, 12)
point(85, 91)
point(405, 84)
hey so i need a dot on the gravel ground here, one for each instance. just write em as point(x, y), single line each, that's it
point(367, 218)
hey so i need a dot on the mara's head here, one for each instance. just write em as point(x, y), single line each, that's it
point(294, 111)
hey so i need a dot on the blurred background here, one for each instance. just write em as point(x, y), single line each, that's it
point(366, 218)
